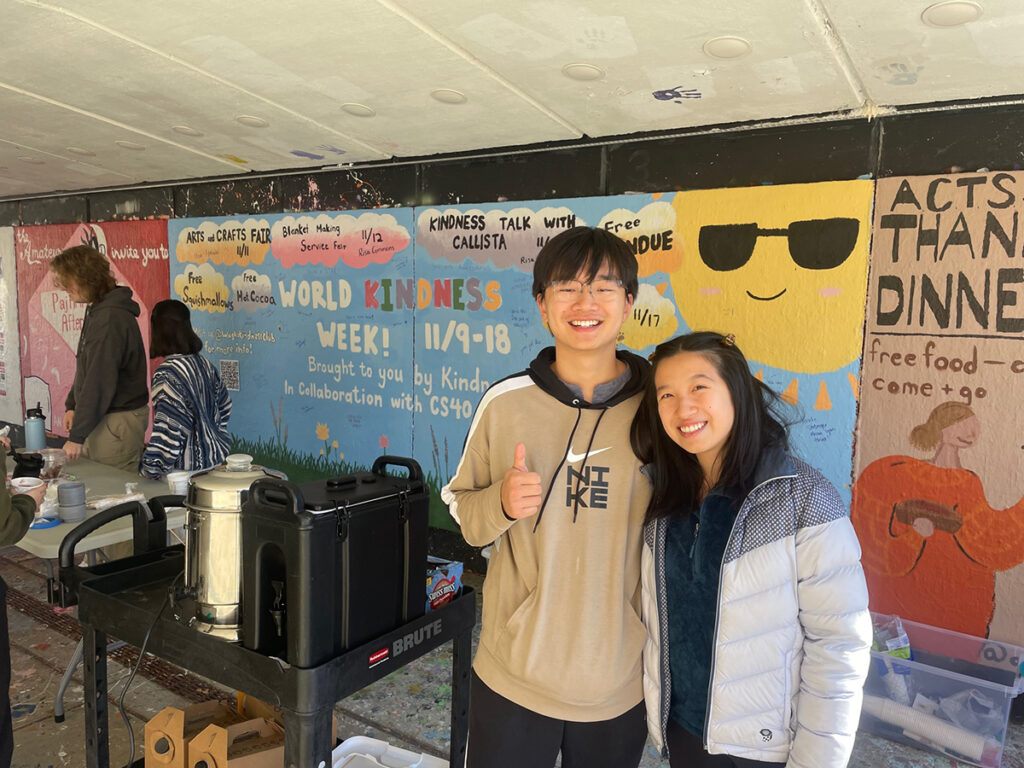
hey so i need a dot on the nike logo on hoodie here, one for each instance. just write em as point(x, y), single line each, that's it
point(572, 458)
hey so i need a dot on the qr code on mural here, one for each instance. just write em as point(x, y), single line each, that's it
point(229, 374)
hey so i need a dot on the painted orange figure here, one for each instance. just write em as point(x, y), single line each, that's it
point(931, 542)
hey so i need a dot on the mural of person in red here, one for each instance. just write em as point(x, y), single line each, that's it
point(931, 542)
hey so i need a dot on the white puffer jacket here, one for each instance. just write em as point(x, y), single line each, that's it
point(793, 632)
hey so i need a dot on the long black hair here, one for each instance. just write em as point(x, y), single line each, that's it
point(758, 424)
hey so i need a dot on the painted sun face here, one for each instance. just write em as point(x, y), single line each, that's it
point(784, 268)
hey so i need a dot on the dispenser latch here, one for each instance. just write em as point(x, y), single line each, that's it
point(403, 505)
point(342, 516)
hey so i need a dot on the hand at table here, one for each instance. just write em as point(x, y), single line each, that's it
point(37, 494)
point(72, 449)
point(69, 420)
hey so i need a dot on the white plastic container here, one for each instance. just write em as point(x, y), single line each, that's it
point(955, 694)
point(364, 752)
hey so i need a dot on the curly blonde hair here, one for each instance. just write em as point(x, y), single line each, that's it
point(926, 436)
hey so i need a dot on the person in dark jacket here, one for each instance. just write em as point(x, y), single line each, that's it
point(191, 406)
point(107, 409)
point(16, 514)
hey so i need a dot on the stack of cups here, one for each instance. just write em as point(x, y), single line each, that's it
point(71, 501)
point(177, 482)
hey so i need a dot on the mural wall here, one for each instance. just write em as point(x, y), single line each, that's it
point(49, 322)
point(348, 335)
point(937, 500)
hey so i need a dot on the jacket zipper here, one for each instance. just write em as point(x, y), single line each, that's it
point(694, 565)
point(718, 601)
point(660, 588)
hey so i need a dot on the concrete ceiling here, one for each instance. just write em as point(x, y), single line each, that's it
point(112, 93)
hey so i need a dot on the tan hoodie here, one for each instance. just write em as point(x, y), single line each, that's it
point(561, 630)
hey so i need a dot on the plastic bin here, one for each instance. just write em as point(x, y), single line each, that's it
point(952, 697)
point(364, 752)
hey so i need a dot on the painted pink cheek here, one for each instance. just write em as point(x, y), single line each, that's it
point(830, 291)
point(710, 290)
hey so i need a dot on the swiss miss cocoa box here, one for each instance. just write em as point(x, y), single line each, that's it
point(444, 581)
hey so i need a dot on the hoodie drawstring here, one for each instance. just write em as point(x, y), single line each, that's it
point(568, 447)
point(561, 463)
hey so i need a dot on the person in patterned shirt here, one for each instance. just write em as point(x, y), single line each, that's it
point(191, 406)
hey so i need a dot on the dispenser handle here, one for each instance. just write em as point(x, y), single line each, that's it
point(283, 495)
point(415, 472)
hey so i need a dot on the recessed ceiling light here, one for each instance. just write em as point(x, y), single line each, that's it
point(579, 71)
point(132, 145)
point(252, 121)
point(449, 96)
point(951, 13)
point(358, 110)
point(727, 47)
point(186, 130)
point(31, 160)
point(80, 151)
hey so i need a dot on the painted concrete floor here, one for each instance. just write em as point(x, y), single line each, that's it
point(409, 709)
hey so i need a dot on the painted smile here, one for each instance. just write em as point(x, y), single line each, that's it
point(766, 298)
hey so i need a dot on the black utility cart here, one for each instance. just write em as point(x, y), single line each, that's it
point(129, 598)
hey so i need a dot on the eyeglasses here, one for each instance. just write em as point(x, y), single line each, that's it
point(570, 290)
point(813, 244)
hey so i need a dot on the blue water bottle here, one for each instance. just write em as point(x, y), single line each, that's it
point(35, 429)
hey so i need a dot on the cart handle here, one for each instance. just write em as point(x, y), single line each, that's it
point(149, 526)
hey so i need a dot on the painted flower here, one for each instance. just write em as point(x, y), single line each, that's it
point(383, 442)
point(322, 432)
point(334, 444)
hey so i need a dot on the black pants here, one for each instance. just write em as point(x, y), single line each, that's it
point(6, 726)
point(503, 734)
point(687, 751)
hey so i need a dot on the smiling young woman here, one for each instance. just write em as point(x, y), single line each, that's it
point(750, 572)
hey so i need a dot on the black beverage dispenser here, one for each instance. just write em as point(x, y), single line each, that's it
point(331, 564)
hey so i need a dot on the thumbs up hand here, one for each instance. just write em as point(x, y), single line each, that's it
point(520, 489)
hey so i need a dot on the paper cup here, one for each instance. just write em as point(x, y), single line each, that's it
point(25, 484)
point(178, 482)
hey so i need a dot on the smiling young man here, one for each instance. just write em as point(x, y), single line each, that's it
point(548, 476)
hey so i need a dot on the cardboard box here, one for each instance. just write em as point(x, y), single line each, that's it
point(169, 732)
point(444, 581)
point(951, 696)
point(257, 743)
point(250, 707)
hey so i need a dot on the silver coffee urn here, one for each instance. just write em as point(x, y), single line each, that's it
point(213, 544)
